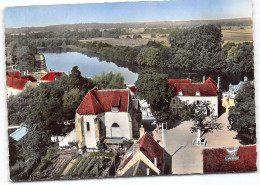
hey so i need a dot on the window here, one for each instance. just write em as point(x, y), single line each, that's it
point(88, 128)
point(198, 101)
point(115, 125)
point(173, 101)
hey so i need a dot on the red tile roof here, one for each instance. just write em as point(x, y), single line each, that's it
point(151, 149)
point(208, 88)
point(96, 102)
point(51, 76)
point(133, 89)
point(210, 81)
point(214, 160)
point(16, 83)
point(174, 81)
point(15, 74)
point(30, 78)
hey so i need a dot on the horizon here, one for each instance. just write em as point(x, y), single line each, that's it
point(128, 22)
point(126, 12)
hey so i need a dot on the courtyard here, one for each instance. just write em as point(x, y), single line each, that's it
point(188, 159)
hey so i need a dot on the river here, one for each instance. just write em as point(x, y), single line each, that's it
point(92, 65)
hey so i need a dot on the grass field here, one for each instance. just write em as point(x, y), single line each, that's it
point(123, 41)
point(238, 35)
point(234, 35)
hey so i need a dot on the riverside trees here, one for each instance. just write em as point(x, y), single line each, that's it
point(242, 115)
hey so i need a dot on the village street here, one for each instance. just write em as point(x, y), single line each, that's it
point(186, 158)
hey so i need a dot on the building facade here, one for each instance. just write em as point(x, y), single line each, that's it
point(188, 93)
point(107, 114)
point(228, 99)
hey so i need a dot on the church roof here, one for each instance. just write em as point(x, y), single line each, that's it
point(208, 88)
point(51, 76)
point(96, 102)
point(214, 160)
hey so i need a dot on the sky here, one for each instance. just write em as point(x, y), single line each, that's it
point(176, 10)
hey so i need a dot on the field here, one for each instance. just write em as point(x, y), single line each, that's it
point(238, 35)
point(124, 41)
point(233, 35)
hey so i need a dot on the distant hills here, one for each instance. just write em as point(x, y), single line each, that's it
point(159, 24)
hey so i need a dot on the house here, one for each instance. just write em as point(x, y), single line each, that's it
point(230, 159)
point(52, 76)
point(146, 110)
point(146, 157)
point(228, 99)
point(187, 92)
point(107, 114)
point(16, 83)
point(145, 107)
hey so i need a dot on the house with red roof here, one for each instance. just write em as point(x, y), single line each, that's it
point(230, 159)
point(146, 157)
point(52, 76)
point(16, 83)
point(110, 115)
point(187, 92)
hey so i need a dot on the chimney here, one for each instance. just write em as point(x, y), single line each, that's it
point(245, 79)
point(148, 171)
point(155, 161)
point(141, 131)
point(218, 82)
point(136, 148)
point(203, 79)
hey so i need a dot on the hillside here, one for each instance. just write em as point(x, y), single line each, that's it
point(161, 24)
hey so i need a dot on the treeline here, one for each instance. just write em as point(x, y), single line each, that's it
point(161, 31)
point(63, 38)
point(197, 49)
point(40, 109)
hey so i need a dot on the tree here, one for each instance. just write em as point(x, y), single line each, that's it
point(242, 115)
point(71, 100)
point(109, 81)
point(155, 89)
point(240, 58)
point(197, 112)
point(149, 56)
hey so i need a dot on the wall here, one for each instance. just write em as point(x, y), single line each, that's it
point(227, 103)
point(12, 92)
point(70, 137)
point(89, 135)
point(212, 99)
point(121, 118)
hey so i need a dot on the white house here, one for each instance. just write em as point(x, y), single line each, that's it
point(188, 93)
point(107, 114)
point(16, 83)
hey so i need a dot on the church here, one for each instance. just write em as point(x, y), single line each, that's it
point(107, 114)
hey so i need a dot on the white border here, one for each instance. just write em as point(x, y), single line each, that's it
point(241, 178)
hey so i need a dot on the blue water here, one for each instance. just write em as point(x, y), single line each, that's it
point(89, 66)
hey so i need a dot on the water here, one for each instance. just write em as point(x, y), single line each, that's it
point(92, 65)
point(89, 66)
